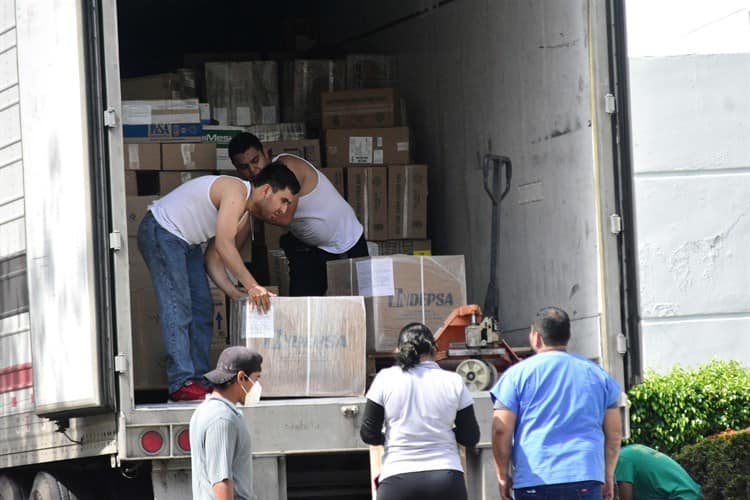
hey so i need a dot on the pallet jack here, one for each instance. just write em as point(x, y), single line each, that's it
point(470, 342)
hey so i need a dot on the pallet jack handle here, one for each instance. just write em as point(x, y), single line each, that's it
point(496, 193)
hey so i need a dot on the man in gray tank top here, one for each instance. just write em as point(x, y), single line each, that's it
point(170, 236)
point(322, 225)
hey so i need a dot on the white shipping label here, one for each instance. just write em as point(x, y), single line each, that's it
point(375, 278)
point(242, 116)
point(221, 116)
point(360, 150)
point(377, 157)
point(402, 146)
point(259, 324)
point(379, 142)
point(205, 111)
point(136, 114)
point(187, 155)
point(269, 114)
point(133, 158)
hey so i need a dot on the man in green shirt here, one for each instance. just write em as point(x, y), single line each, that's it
point(643, 473)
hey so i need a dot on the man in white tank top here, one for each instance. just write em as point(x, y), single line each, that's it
point(207, 208)
point(322, 225)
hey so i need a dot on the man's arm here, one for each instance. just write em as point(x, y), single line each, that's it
point(218, 272)
point(612, 439)
point(503, 427)
point(624, 490)
point(224, 490)
point(232, 206)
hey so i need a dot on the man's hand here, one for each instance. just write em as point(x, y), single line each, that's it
point(608, 490)
point(259, 298)
point(506, 486)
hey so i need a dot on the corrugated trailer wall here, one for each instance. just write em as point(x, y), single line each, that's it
point(15, 352)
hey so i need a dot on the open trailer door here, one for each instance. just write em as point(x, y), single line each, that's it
point(66, 215)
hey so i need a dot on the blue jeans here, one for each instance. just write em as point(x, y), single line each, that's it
point(585, 490)
point(185, 304)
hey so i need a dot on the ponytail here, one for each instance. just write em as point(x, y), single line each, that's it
point(414, 341)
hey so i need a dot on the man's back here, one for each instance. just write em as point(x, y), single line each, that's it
point(654, 475)
point(559, 400)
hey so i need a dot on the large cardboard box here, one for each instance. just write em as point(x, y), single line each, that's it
point(399, 290)
point(272, 234)
point(162, 86)
point(367, 193)
point(336, 176)
point(278, 271)
point(311, 346)
point(221, 136)
point(407, 201)
point(142, 156)
point(302, 82)
point(243, 93)
point(149, 359)
point(140, 277)
point(365, 108)
point(369, 146)
point(366, 71)
point(308, 149)
point(220, 323)
point(161, 121)
point(195, 156)
point(170, 180)
point(136, 207)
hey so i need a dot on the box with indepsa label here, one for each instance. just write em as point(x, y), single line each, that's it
point(195, 156)
point(367, 193)
point(364, 108)
point(161, 121)
point(399, 290)
point(407, 201)
point(311, 346)
point(373, 146)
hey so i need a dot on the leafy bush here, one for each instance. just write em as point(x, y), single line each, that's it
point(720, 464)
point(670, 411)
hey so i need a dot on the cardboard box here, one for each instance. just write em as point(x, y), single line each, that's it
point(161, 121)
point(365, 108)
point(399, 290)
point(131, 183)
point(142, 156)
point(277, 132)
point(140, 277)
point(309, 149)
point(136, 207)
point(278, 271)
point(311, 346)
point(272, 234)
point(336, 176)
point(200, 156)
point(302, 82)
point(371, 146)
point(407, 201)
point(142, 183)
point(221, 325)
point(221, 136)
point(170, 180)
point(367, 193)
point(162, 86)
point(365, 71)
point(395, 247)
point(149, 359)
point(243, 93)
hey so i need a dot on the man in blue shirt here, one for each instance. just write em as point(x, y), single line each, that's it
point(556, 415)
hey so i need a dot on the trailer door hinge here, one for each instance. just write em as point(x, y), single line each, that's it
point(110, 118)
point(115, 241)
point(610, 104)
point(615, 224)
point(622, 343)
point(121, 364)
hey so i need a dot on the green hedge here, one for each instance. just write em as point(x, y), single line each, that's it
point(682, 407)
point(720, 464)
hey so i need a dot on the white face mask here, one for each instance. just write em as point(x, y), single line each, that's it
point(253, 395)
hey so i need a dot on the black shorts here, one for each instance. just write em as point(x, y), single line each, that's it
point(426, 485)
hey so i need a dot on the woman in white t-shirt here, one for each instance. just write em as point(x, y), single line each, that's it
point(427, 411)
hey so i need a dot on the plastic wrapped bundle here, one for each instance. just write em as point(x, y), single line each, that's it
point(278, 132)
point(243, 93)
point(371, 71)
point(302, 82)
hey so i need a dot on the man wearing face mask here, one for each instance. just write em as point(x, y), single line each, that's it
point(221, 452)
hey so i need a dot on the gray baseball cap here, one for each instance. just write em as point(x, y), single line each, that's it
point(231, 361)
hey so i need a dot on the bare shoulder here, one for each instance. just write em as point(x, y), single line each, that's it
point(225, 187)
point(301, 170)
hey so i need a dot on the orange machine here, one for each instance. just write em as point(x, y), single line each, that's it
point(472, 346)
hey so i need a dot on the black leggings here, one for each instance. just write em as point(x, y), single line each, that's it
point(425, 485)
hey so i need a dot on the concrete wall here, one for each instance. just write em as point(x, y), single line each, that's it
point(691, 160)
point(510, 77)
